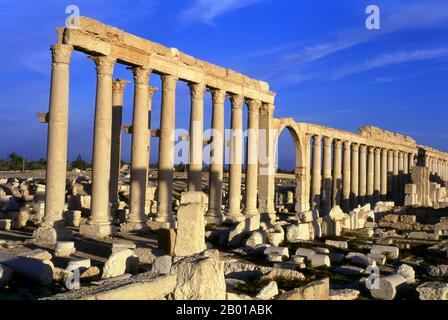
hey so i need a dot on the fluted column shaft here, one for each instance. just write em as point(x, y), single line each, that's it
point(140, 150)
point(316, 173)
point(401, 177)
point(214, 214)
point(370, 174)
point(390, 175)
point(377, 176)
point(57, 134)
point(406, 168)
point(384, 180)
point(396, 177)
point(197, 91)
point(115, 153)
point(346, 171)
point(362, 174)
point(100, 217)
point(236, 157)
point(355, 176)
point(166, 150)
point(337, 173)
point(252, 159)
point(326, 188)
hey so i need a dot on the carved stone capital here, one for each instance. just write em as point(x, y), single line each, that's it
point(104, 64)
point(141, 75)
point(377, 151)
point(384, 152)
point(371, 149)
point(119, 85)
point(337, 144)
point(218, 96)
point(347, 145)
point(197, 90)
point(61, 53)
point(363, 148)
point(253, 105)
point(317, 140)
point(355, 147)
point(400, 155)
point(267, 109)
point(327, 142)
point(237, 101)
point(169, 82)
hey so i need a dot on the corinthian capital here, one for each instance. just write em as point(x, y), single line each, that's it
point(197, 90)
point(253, 105)
point(267, 109)
point(218, 96)
point(169, 82)
point(119, 85)
point(141, 75)
point(104, 64)
point(355, 147)
point(237, 101)
point(61, 53)
point(337, 144)
point(327, 142)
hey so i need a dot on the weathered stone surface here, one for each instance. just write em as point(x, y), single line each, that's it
point(349, 270)
point(337, 244)
point(166, 240)
point(121, 262)
point(388, 287)
point(34, 269)
point(317, 290)
point(237, 297)
point(407, 272)
point(256, 238)
point(281, 251)
point(190, 237)
point(241, 230)
point(297, 233)
point(64, 248)
point(320, 260)
point(200, 277)
point(344, 294)
point(145, 286)
point(37, 254)
point(162, 265)
point(433, 291)
point(389, 251)
point(440, 270)
point(268, 292)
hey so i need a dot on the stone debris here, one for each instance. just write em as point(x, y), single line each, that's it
point(389, 251)
point(344, 294)
point(407, 272)
point(388, 287)
point(438, 271)
point(162, 265)
point(64, 249)
point(119, 263)
point(268, 292)
point(433, 291)
point(316, 290)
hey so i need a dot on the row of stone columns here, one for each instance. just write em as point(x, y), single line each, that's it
point(357, 174)
point(107, 148)
point(438, 168)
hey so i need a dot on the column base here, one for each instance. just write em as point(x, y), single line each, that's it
point(47, 234)
point(134, 226)
point(214, 218)
point(157, 225)
point(249, 213)
point(97, 230)
point(234, 217)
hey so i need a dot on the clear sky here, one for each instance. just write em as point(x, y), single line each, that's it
point(317, 55)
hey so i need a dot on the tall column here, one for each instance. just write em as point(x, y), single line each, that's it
point(252, 159)
point(214, 214)
point(377, 176)
point(118, 87)
point(56, 143)
point(236, 157)
point(140, 152)
point(400, 177)
point(197, 91)
point(99, 223)
point(355, 176)
point(266, 179)
point(395, 178)
point(337, 173)
point(370, 174)
point(166, 152)
point(384, 178)
point(302, 175)
point(390, 175)
point(362, 174)
point(406, 168)
point(326, 188)
point(316, 175)
point(346, 171)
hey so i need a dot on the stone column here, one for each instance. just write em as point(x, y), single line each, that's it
point(395, 178)
point(390, 175)
point(266, 179)
point(326, 187)
point(355, 176)
point(384, 180)
point(236, 158)
point(166, 152)
point(316, 174)
point(140, 152)
point(56, 144)
point(337, 173)
point(400, 177)
point(99, 223)
point(346, 171)
point(377, 176)
point(214, 214)
point(370, 174)
point(406, 168)
point(197, 91)
point(118, 87)
point(362, 174)
point(252, 159)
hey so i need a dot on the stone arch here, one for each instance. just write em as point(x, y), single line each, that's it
point(302, 163)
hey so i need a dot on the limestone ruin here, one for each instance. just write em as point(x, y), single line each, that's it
point(356, 201)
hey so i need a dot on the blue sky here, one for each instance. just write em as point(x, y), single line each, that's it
point(317, 55)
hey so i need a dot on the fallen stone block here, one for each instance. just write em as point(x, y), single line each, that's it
point(122, 245)
point(297, 233)
point(5, 224)
point(304, 252)
point(308, 216)
point(268, 292)
point(119, 263)
point(256, 238)
point(349, 270)
point(316, 290)
point(320, 260)
point(33, 269)
point(162, 265)
point(388, 287)
point(433, 291)
point(389, 251)
point(344, 294)
point(440, 270)
point(281, 251)
point(64, 248)
point(421, 235)
point(37, 254)
point(407, 272)
point(337, 244)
